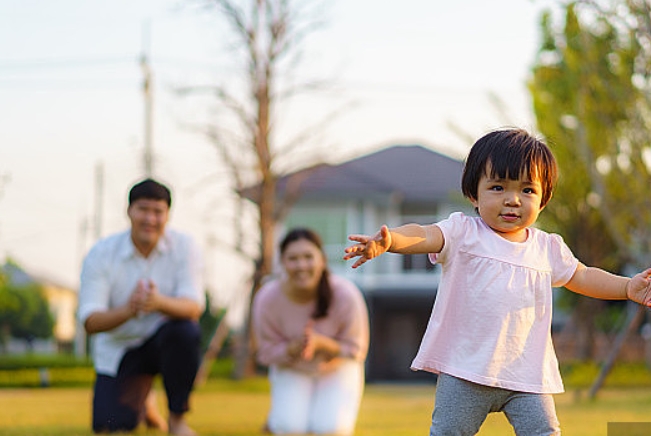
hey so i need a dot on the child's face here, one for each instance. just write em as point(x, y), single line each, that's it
point(509, 206)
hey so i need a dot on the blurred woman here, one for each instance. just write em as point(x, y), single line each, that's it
point(311, 330)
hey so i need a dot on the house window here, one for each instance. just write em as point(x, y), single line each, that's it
point(417, 262)
point(330, 223)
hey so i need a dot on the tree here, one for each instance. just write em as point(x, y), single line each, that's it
point(9, 305)
point(24, 313)
point(268, 35)
point(590, 98)
point(33, 319)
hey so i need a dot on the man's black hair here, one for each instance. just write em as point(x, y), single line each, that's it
point(150, 189)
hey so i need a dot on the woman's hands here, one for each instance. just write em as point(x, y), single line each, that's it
point(311, 343)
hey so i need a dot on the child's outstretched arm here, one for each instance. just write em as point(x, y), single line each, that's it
point(407, 239)
point(368, 247)
point(597, 283)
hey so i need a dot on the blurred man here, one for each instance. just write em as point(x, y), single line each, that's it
point(140, 297)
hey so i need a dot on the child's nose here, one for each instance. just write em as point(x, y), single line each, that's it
point(512, 199)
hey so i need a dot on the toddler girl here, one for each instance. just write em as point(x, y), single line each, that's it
point(489, 335)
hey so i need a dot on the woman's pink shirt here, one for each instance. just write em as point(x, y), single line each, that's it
point(277, 319)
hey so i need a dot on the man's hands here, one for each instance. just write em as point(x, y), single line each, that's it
point(368, 247)
point(638, 288)
point(145, 298)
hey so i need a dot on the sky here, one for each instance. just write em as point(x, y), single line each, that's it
point(71, 104)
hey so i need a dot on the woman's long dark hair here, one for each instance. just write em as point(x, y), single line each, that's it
point(324, 291)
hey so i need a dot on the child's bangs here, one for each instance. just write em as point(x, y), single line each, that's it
point(515, 165)
point(514, 170)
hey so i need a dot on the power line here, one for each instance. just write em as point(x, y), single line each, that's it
point(74, 62)
point(65, 62)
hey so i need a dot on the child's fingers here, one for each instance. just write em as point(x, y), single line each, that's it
point(355, 248)
point(351, 249)
point(351, 254)
point(646, 296)
point(359, 238)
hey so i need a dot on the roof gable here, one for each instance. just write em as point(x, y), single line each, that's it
point(413, 172)
point(19, 277)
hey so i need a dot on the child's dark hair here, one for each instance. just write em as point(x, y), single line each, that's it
point(150, 189)
point(324, 291)
point(510, 154)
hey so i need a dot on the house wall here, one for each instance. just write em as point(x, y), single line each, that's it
point(63, 304)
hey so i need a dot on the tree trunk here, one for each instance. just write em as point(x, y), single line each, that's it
point(245, 348)
point(633, 322)
point(214, 347)
point(584, 314)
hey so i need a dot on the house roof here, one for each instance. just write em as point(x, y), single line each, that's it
point(16, 275)
point(19, 277)
point(413, 172)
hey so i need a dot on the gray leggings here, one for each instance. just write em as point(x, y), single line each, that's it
point(462, 406)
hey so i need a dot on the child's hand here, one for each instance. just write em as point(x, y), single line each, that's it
point(638, 289)
point(367, 248)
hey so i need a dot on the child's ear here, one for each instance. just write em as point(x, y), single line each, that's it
point(475, 204)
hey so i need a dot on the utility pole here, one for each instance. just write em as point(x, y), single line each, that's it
point(81, 345)
point(81, 341)
point(147, 93)
point(99, 200)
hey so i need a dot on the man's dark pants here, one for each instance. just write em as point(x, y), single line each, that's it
point(173, 352)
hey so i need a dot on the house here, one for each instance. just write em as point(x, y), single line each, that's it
point(63, 306)
point(62, 302)
point(392, 186)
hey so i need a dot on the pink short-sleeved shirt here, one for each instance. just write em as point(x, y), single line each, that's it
point(277, 320)
point(491, 321)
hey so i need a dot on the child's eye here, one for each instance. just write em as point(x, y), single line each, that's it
point(496, 188)
point(529, 191)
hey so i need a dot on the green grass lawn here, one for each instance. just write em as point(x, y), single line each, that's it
point(238, 408)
